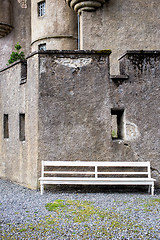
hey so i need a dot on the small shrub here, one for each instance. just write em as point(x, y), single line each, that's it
point(16, 55)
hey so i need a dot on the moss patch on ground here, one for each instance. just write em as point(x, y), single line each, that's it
point(74, 219)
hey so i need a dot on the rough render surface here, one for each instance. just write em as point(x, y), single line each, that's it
point(139, 97)
point(75, 101)
point(74, 113)
point(120, 26)
point(67, 100)
point(18, 159)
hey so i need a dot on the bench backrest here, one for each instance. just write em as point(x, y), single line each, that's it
point(124, 168)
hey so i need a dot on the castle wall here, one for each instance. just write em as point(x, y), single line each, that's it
point(57, 28)
point(139, 97)
point(69, 101)
point(21, 32)
point(18, 157)
point(122, 25)
point(74, 106)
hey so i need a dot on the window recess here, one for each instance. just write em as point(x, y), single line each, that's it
point(41, 8)
point(42, 47)
point(117, 123)
point(22, 127)
point(5, 126)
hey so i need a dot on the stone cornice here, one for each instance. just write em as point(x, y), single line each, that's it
point(85, 5)
point(5, 29)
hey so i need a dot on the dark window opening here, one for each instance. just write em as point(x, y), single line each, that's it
point(23, 72)
point(117, 123)
point(6, 126)
point(22, 127)
point(42, 47)
point(41, 8)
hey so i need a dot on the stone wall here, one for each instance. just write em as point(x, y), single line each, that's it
point(18, 158)
point(74, 106)
point(122, 25)
point(139, 97)
point(69, 100)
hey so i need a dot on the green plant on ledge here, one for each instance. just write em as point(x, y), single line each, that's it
point(16, 55)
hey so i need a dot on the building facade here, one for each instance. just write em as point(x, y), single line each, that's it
point(118, 25)
point(67, 104)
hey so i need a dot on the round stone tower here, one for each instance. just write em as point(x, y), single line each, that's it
point(53, 24)
point(5, 17)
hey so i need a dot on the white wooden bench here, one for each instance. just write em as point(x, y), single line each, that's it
point(96, 173)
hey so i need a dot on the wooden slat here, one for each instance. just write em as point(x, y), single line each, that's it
point(105, 164)
point(96, 179)
point(67, 172)
point(98, 173)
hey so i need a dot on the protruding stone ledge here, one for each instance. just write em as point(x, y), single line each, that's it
point(106, 52)
point(5, 29)
point(85, 5)
point(140, 53)
point(119, 77)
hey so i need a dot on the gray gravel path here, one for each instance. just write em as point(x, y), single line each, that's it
point(77, 214)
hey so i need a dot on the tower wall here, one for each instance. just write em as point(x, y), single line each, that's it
point(122, 25)
point(5, 11)
point(57, 28)
point(5, 17)
point(21, 32)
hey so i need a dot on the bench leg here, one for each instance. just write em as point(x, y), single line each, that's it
point(149, 189)
point(42, 188)
point(152, 189)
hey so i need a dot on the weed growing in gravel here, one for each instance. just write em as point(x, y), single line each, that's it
point(156, 200)
point(56, 204)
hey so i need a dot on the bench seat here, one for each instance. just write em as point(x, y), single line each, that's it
point(97, 177)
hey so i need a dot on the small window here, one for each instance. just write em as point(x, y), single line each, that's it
point(117, 123)
point(5, 126)
point(41, 8)
point(42, 47)
point(22, 127)
point(23, 72)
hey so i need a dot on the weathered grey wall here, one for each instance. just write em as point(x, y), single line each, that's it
point(18, 159)
point(122, 25)
point(76, 96)
point(21, 21)
point(67, 100)
point(139, 97)
point(57, 28)
point(74, 106)
point(5, 12)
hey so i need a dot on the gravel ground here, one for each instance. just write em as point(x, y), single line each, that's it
point(77, 213)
